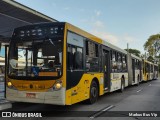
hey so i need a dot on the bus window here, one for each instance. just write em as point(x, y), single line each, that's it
point(92, 62)
point(137, 64)
point(78, 59)
point(111, 55)
point(151, 68)
point(114, 62)
point(69, 58)
point(124, 63)
point(143, 65)
point(74, 58)
point(119, 62)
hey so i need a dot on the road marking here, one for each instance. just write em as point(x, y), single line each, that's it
point(101, 112)
point(139, 90)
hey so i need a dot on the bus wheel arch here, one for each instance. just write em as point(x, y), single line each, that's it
point(94, 91)
point(96, 80)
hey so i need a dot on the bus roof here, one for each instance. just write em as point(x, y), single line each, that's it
point(136, 57)
point(94, 38)
point(84, 34)
point(148, 61)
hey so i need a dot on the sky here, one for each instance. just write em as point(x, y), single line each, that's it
point(116, 21)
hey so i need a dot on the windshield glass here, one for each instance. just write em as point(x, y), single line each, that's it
point(35, 58)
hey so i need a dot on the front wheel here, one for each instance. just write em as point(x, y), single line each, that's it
point(93, 93)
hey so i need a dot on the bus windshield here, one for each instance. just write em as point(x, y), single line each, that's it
point(35, 58)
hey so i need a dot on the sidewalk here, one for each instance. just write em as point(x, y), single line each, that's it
point(4, 104)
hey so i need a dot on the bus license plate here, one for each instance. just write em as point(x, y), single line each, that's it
point(30, 95)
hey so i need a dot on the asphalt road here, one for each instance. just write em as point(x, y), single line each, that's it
point(145, 99)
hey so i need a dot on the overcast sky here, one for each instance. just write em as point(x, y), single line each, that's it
point(117, 21)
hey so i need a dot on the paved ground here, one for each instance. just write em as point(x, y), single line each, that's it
point(142, 98)
point(1, 90)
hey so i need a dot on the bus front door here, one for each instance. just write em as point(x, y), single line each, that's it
point(106, 69)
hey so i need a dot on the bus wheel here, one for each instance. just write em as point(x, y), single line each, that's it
point(93, 93)
point(122, 85)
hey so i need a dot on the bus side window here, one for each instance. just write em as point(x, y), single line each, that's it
point(78, 60)
point(92, 61)
point(143, 68)
point(74, 58)
point(124, 63)
point(111, 60)
point(119, 62)
point(136, 64)
point(114, 64)
point(69, 58)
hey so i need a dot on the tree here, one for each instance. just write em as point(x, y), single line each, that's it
point(152, 45)
point(150, 58)
point(134, 51)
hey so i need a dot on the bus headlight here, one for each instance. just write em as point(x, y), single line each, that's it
point(57, 85)
point(9, 84)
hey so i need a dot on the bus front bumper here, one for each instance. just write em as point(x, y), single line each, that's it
point(51, 97)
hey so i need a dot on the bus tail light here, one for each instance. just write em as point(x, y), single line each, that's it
point(57, 85)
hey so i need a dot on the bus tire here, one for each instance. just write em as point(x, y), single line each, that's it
point(94, 92)
point(122, 84)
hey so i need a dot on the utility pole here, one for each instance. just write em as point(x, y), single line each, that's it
point(128, 47)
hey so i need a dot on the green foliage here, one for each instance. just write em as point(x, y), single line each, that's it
point(134, 51)
point(150, 58)
point(152, 45)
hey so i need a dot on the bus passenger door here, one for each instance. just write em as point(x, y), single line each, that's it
point(106, 69)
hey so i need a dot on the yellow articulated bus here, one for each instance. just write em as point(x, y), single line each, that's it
point(58, 63)
point(148, 70)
